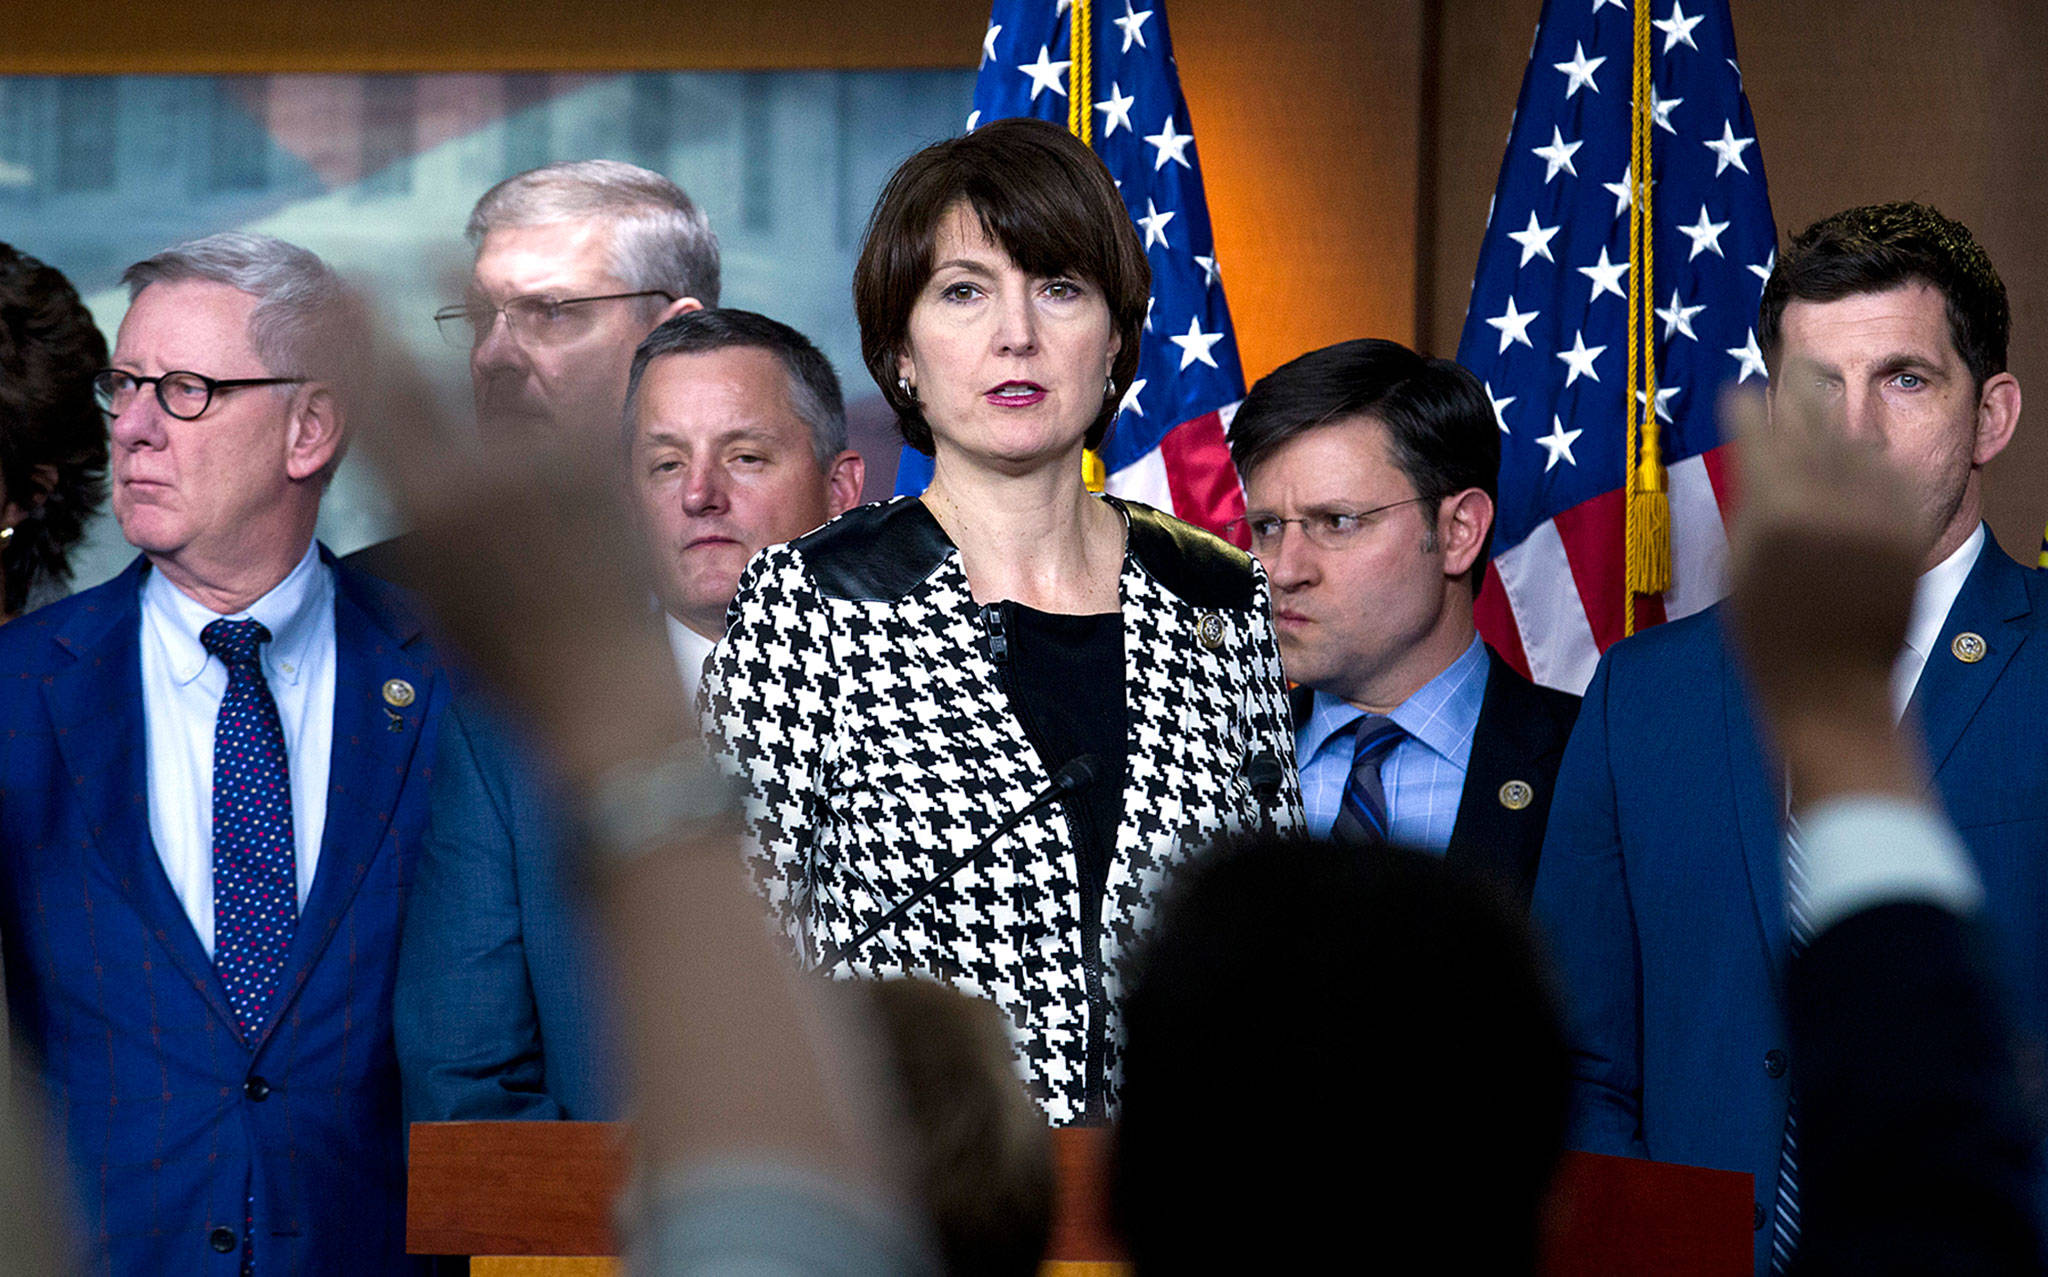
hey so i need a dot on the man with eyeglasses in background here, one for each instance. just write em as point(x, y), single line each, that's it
point(1369, 477)
point(212, 792)
point(737, 439)
point(575, 263)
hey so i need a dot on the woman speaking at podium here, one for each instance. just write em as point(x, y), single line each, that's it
point(896, 687)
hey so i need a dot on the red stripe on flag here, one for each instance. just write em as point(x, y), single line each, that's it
point(1200, 477)
point(1592, 536)
point(1495, 618)
point(1591, 532)
point(1721, 474)
point(1649, 612)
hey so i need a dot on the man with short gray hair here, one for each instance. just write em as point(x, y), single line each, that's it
point(575, 262)
point(211, 796)
point(734, 439)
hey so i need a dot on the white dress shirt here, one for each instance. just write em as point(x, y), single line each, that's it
point(182, 685)
point(691, 651)
point(1863, 850)
point(1933, 595)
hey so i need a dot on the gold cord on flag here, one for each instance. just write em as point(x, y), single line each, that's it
point(1081, 72)
point(1080, 89)
point(1647, 522)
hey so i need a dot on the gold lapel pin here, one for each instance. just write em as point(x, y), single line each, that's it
point(1969, 647)
point(1517, 794)
point(1209, 630)
point(398, 693)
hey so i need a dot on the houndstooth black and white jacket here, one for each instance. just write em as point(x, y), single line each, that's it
point(856, 697)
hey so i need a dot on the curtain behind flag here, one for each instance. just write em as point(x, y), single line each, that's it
point(1548, 331)
point(1167, 446)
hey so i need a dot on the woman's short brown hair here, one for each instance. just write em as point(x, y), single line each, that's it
point(1044, 198)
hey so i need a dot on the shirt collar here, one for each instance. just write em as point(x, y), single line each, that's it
point(1442, 714)
point(1935, 593)
point(291, 610)
point(690, 649)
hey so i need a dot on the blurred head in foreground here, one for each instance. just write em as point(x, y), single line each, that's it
point(981, 1151)
point(1324, 1047)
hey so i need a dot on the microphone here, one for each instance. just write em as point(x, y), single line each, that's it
point(1080, 772)
point(1262, 773)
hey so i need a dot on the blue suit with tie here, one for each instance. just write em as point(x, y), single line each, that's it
point(1660, 884)
point(176, 1124)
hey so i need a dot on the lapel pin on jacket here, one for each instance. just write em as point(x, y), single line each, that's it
point(398, 693)
point(1209, 629)
point(1517, 794)
point(1969, 647)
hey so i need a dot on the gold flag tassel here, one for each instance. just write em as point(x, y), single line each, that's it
point(1647, 521)
point(1081, 123)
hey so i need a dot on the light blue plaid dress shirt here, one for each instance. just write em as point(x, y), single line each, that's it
point(1424, 775)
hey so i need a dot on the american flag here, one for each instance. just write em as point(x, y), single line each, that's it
point(1167, 448)
point(1547, 330)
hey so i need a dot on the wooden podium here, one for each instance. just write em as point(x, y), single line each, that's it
point(508, 1193)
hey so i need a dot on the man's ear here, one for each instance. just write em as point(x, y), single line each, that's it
point(1462, 521)
point(316, 429)
point(846, 476)
point(1998, 415)
point(674, 308)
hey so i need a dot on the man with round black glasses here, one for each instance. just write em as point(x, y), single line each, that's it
point(212, 792)
point(1369, 477)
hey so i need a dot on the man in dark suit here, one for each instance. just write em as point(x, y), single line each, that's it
point(1659, 882)
point(735, 439)
point(211, 793)
point(1369, 478)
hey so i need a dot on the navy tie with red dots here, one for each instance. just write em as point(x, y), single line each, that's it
point(255, 871)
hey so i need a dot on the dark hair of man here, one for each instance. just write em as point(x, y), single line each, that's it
point(1044, 198)
point(982, 1154)
point(1333, 1049)
point(1883, 246)
point(49, 351)
point(1440, 426)
point(813, 386)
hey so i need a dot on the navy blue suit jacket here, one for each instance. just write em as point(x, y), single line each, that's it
point(1660, 882)
point(169, 1116)
point(499, 1008)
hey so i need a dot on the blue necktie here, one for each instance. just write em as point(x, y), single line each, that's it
point(1362, 817)
point(255, 871)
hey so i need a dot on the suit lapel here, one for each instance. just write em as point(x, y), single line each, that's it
point(1507, 744)
point(96, 707)
point(372, 755)
point(1759, 808)
point(1991, 605)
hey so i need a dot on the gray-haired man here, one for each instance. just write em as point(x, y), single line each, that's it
point(575, 263)
point(734, 435)
point(735, 441)
point(211, 794)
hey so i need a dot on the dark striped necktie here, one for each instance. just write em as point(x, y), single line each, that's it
point(1362, 817)
point(1799, 916)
